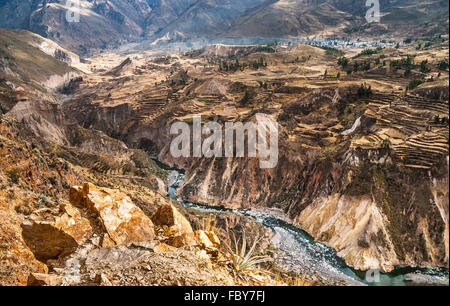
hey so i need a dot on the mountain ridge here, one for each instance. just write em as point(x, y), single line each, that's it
point(110, 23)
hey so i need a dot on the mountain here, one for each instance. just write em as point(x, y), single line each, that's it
point(30, 63)
point(109, 23)
point(209, 17)
point(102, 24)
point(341, 17)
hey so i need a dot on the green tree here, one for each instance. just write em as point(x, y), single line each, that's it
point(246, 98)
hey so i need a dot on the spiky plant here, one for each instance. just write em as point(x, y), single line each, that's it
point(243, 262)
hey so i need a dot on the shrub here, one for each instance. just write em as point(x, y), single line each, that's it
point(284, 117)
point(423, 66)
point(443, 65)
point(343, 61)
point(414, 83)
point(246, 98)
point(13, 176)
point(364, 90)
point(369, 52)
point(333, 51)
point(244, 262)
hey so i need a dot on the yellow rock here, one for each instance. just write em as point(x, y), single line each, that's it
point(41, 279)
point(208, 241)
point(169, 216)
point(203, 240)
point(16, 257)
point(50, 237)
point(213, 238)
point(186, 239)
point(124, 222)
point(102, 280)
point(107, 242)
point(163, 248)
point(72, 223)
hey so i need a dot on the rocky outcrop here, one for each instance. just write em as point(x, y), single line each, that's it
point(44, 119)
point(52, 237)
point(355, 227)
point(168, 216)
point(134, 257)
point(179, 232)
point(123, 222)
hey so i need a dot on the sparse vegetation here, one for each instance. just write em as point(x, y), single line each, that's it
point(246, 98)
point(243, 261)
point(424, 66)
point(414, 83)
point(443, 65)
point(368, 52)
point(364, 90)
point(343, 61)
point(333, 51)
point(13, 176)
point(284, 117)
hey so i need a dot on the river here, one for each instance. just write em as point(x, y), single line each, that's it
point(297, 251)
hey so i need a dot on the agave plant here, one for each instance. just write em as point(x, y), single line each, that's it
point(243, 261)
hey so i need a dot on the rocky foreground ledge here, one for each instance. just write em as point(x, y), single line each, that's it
point(100, 237)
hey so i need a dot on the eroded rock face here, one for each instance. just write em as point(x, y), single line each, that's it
point(123, 222)
point(355, 227)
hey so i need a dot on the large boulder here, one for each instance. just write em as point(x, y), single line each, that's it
point(168, 216)
point(50, 237)
point(123, 222)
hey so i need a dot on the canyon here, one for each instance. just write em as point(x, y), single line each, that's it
point(91, 194)
point(367, 194)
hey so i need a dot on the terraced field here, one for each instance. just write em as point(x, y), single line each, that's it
point(418, 141)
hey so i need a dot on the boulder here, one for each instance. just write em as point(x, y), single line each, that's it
point(168, 215)
point(50, 237)
point(123, 222)
point(163, 248)
point(208, 241)
point(41, 279)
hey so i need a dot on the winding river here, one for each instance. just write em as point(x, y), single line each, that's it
point(298, 252)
